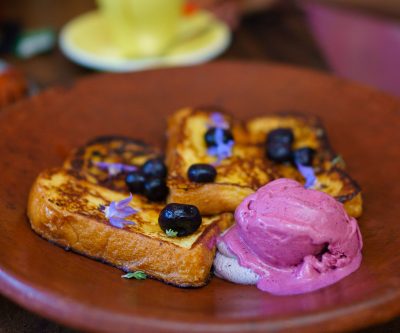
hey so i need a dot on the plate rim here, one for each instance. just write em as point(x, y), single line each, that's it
point(20, 290)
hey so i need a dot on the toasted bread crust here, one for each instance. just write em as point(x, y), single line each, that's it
point(124, 249)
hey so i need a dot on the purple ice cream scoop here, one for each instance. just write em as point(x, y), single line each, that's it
point(289, 240)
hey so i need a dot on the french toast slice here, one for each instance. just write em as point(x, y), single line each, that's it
point(237, 176)
point(66, 207)
point(248, 168)
point(67, 211)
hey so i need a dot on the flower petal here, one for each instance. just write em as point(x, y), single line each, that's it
point(110, 210)
point(102, 165)
point(114, 169)
point(123, 203)
point(128, 168)
point(119, 222)
point(117, 211)
point(125, 212)
point(308, 173)
point(222, 149)
point(218, 120)
point(219, 136)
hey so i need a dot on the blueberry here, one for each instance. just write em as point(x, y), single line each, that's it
point(183, 219)
point(279, 152)
point(280, 135)
point(304, 156)
point(135, 181)
point(154, 167)
point(155, 189)
point(202, 173)
point(209, 137)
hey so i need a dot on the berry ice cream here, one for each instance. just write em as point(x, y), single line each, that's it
point(289, 240)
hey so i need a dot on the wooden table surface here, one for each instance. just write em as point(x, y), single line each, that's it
point(279, 35)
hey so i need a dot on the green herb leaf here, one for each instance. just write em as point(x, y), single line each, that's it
point(338, 160)
point(171, 233)
point(138, 275)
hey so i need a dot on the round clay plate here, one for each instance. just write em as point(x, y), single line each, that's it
point(363, 125)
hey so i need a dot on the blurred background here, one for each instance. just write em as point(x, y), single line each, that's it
point(354, 39)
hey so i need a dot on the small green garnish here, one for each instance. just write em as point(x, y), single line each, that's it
point(171, 233)
point(138, 275)
point(338, 160)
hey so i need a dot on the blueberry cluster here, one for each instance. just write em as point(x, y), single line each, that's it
point(149, 180)
point(279, 148)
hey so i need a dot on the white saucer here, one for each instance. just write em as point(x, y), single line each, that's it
point(86, 41)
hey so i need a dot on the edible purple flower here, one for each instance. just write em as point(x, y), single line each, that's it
point(117, 211)
point(222, 149)
point(218, 120)
point(308, 173)
point(114, 169)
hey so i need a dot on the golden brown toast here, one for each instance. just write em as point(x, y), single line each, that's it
point(248, 168)
point(65, 207)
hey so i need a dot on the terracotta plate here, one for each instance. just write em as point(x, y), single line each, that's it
point(364, 126)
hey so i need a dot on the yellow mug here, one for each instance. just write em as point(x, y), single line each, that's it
point(142, 28)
